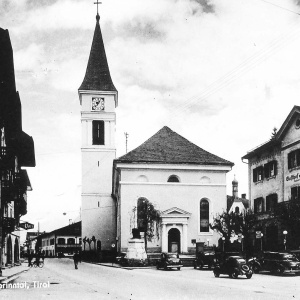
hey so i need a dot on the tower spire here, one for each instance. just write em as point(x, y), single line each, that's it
point(97, 76)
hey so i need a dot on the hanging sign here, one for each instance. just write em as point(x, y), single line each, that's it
point(26, 225)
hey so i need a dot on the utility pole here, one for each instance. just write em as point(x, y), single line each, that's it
point(126, 139)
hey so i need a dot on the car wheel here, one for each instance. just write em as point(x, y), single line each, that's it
point(234, 275)
point(249, 275)
point(200, 266)
point(157, 267)
point(178, 268)
point(195, 265)
point(217, 274)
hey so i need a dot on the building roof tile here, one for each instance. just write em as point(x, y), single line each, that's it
point(168, 147)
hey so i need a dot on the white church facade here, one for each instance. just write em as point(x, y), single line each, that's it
point(186, 183)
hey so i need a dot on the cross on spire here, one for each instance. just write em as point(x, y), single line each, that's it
point(97, 6)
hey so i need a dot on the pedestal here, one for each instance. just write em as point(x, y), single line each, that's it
point(136, 249)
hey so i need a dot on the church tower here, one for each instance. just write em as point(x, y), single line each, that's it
point(98, 99)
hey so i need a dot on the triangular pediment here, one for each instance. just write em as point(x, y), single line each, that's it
point(175, 211)
point(290, 124)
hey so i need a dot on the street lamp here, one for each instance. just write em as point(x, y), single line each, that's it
point(223, 239)
point(261, 240)
point(284, 241)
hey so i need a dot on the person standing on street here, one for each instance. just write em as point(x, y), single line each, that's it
point(76, 259)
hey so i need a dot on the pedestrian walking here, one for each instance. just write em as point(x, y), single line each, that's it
point(29, 259)
point(76, 259)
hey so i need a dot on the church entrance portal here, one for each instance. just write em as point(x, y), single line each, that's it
point(174, 240)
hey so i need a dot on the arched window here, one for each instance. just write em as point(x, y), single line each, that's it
point(61, 241)
point(71, 241)
point(141, 208)
point(204, 215)
point(237, 210)
point(173, 178)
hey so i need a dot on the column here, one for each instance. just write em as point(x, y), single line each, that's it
point(164, 238)
point(184, 238)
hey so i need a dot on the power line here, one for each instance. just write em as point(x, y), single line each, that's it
point(240, 70)
point(281, 7)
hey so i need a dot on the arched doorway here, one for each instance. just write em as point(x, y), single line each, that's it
point(16, 251)
point(9, 251)
point(174, 240)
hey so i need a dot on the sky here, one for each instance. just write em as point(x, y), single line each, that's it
point(221, 73)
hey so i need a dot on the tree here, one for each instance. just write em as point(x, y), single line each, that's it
point(148, 219)
point(230, 224)
point(274, 133)
point(287, 214)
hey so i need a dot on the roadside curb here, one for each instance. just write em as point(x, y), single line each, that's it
point(118, 266)
point(12, 277)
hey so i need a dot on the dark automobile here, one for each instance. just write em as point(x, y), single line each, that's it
point(205, 259)
point(233, 266)
point(169, 261)
point(280, 262)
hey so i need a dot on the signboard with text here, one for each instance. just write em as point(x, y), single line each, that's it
point(26, 225)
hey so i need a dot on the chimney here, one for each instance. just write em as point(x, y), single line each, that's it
point(244, 196)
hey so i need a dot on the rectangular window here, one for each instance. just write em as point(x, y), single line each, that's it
point(294, 159)
point(271, 202)
point(258, 174)
point(295, 193)
point(258, 205)
point(270, 169)
point(98, 132)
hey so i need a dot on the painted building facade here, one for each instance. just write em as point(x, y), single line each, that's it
point(274, 177)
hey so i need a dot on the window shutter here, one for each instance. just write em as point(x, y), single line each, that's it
point(268, 203)
point(298, 157)
point(275, 167)
point(289, 161)
point(266, 170)
point(254, 175)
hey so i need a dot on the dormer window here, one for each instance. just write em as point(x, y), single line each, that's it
point(173, 178)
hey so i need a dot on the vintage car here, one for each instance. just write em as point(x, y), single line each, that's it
point(233, 266)
point(169, 261)
point(205, 259)
point(280, 262)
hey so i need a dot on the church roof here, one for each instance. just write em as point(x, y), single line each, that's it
point(97, 76)
point(168, 147)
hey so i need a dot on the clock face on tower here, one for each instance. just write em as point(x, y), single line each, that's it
point(97, 104)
